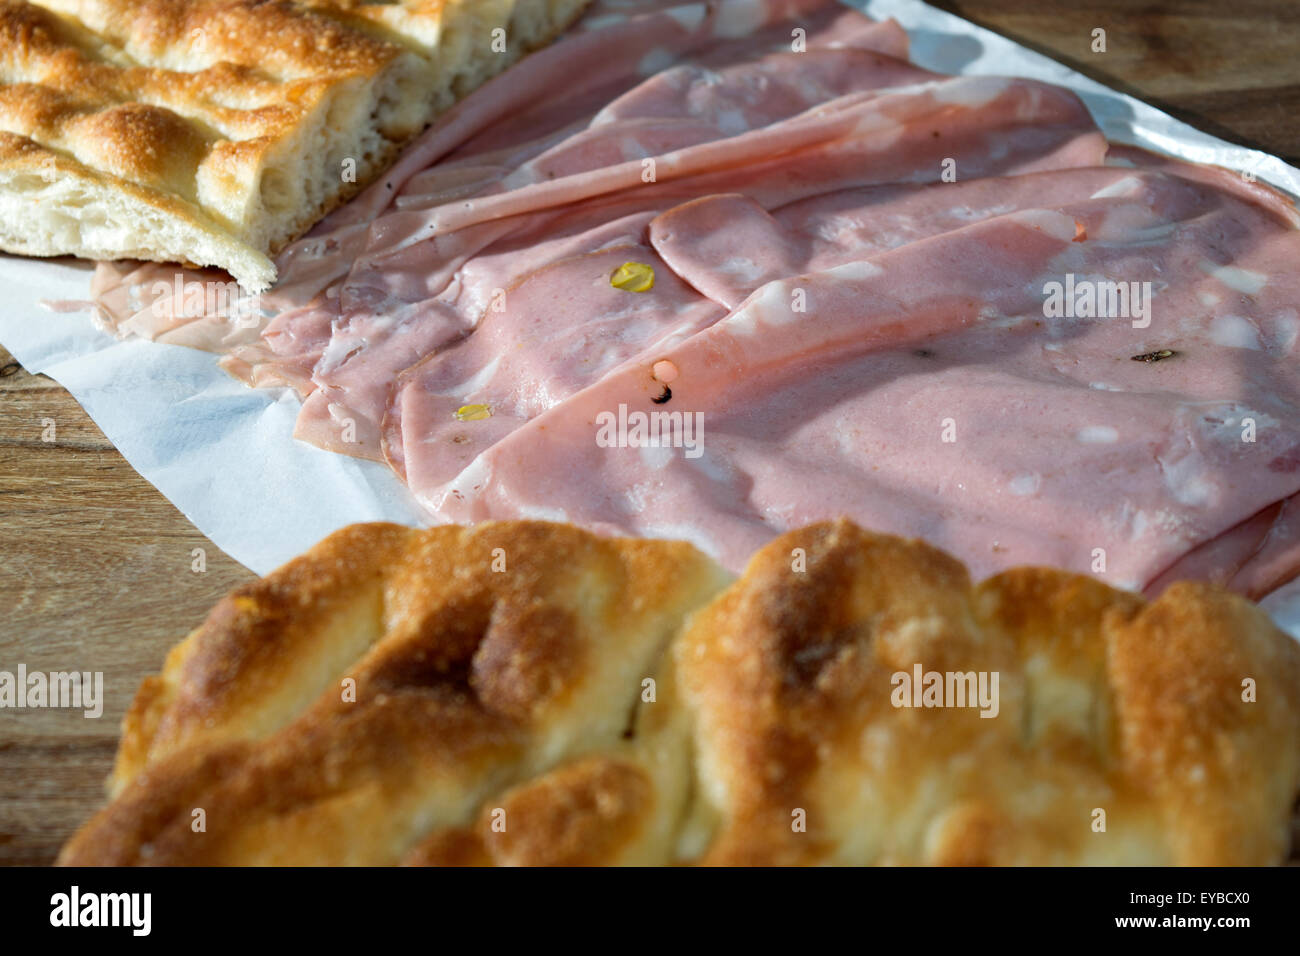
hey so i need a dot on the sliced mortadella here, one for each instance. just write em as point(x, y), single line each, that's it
point(557, 330)
point(199, 308)
point(367, 350)
point(788, 322)
point(587, 82)
point(389, 279)
point(609, 53)
point(337, 281)
point(867, 139)
point(960, 411)
point(851, 265)
point(689, 105)
point(290, 346)
point(1244, 186)
point(985, 125)
point(727, 245)
point(1254, 558)
point(345, 410)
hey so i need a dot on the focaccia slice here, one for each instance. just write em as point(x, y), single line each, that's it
point(1121, 732)
point(386, 684)
point(213, 132)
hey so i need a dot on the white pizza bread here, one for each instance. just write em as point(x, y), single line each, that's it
point(213, 132)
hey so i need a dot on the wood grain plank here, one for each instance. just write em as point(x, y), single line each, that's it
point(1230, 69)
point(95, 575)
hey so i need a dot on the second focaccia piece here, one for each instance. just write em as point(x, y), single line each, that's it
point(1118, 732)
point(215, 131)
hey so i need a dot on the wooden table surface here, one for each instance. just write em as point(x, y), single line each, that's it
point(96, 566)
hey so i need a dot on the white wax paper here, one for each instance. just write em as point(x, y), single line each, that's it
point(223, 452)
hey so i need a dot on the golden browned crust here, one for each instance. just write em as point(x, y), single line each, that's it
point(530, 694)
point(381, 687)
point(1110, 712)
point(588, 813)
point(215, 131)
point(1219, 768)
point(261, 655)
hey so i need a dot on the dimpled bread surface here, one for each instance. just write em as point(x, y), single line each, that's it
point(529, 693)
point(214, 132)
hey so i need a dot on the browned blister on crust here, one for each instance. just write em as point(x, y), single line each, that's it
point(215, 131)
point(526, 693)
point(592, 812)
point(1223, 771)
point(266, 650)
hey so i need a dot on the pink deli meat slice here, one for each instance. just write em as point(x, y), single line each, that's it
point(727, 245)
point(397, 274)
point(1254, 558)
point(970, 128)
point(531, 356)
point(429, 392)
point(1064, 450)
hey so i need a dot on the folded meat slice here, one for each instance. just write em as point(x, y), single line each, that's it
point(1254, 558)
point(407, 286)
point(532, 355)
point(367, 351)
point(610, 51)
point(691, 104)
point(987, 125)
point(1063, 450)
point(727, 246)
point(699, 239)
point(969, 128)
point(405, 241)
